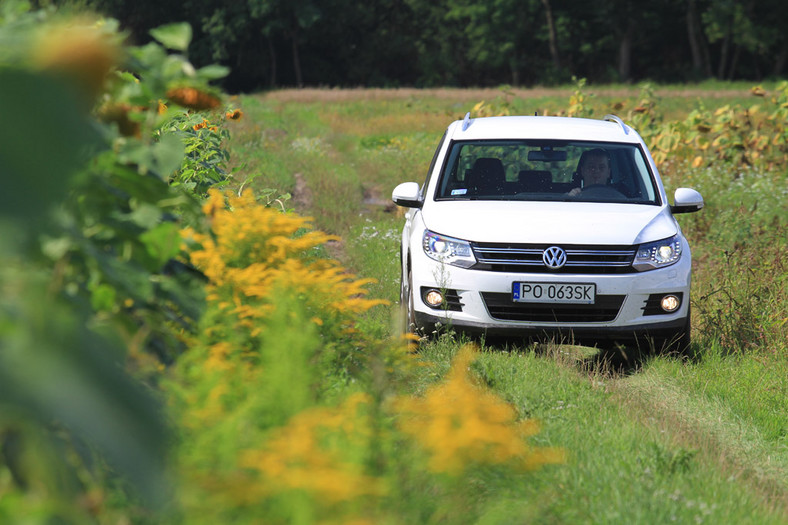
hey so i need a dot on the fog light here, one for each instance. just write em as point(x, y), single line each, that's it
point(433, 298)
point(670, 303)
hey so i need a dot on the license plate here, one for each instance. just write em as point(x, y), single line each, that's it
point(533, 292)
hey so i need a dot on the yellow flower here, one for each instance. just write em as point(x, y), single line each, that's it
point(461, 424)
point(235, 114)
point(253, 250)
point(214, 204)
point(218, 356)
point(308, 454)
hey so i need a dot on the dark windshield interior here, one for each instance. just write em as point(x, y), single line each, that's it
point(546, 171)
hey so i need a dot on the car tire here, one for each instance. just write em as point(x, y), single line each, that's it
point(683, 338)
point(678, 343)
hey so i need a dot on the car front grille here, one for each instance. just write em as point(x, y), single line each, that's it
point(501, 306)
point(527, 258)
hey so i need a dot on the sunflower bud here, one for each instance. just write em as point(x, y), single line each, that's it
point(234, 115)
point(78, 51)
point(119, 114)
point(193, 98)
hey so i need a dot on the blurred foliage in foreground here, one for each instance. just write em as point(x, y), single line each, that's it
point(93, 152)
point(166, 357)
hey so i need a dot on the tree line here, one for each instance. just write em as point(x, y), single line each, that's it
point(392, 43)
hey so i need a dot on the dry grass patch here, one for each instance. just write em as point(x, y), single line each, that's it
point(377, 94)
point(389, 124)
point(339, 95)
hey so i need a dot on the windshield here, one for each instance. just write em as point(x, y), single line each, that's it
point(524, 170)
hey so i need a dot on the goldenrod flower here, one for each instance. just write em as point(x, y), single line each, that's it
point(461, 424)
point(254, 250)
point(307, 454)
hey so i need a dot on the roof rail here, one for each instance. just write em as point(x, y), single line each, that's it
point(617, 120)
point(466, 121)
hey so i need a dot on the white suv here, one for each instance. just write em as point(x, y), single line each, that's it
point(546, 226)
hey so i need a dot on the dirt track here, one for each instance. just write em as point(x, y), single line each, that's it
point(470, 94)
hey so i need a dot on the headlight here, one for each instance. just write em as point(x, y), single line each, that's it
point(448, 250)
point(658, 254)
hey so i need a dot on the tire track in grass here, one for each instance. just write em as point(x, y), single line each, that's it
point(719, 435)
point(302, 195)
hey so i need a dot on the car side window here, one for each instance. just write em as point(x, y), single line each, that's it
point(646, 182)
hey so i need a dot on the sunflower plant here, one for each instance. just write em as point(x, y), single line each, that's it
point(94, 299)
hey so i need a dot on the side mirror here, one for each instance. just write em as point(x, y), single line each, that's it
point(686, 200)
point(407, 195)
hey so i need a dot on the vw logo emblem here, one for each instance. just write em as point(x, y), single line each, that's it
point(554, 257)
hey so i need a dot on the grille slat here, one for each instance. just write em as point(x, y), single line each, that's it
point(507, 261)
point(501, 306)
point(528, 257)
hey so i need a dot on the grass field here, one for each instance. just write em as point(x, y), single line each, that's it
point(650, 439)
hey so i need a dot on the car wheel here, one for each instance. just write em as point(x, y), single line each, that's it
point(678, 343)
point(683, 338)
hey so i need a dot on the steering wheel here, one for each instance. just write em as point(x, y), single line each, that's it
point(601, 191)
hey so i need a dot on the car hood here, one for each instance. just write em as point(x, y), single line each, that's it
point(549, 222)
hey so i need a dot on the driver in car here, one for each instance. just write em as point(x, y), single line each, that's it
point(594, 170)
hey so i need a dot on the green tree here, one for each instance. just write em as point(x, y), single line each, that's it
point(729, 22)
point(499, 33)
point(289, 18)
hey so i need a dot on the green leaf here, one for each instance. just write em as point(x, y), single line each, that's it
point(213, 72)
point(44, 138)
point(134, 152)
point(56, 247)
point(173, 36)
point(54, 369)
point(162, 242)
point(146, 215)
point(168, 154)
point(103, 298)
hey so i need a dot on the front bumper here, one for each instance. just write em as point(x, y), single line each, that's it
point(570, 335)
point(480, 296)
